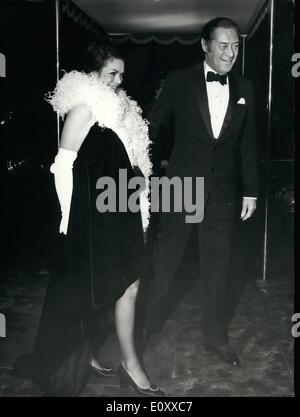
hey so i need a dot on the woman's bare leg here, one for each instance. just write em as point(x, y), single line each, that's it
point(124, 319)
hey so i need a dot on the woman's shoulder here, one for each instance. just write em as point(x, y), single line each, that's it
point(82, 114)
point(77, 88)
point(74, 90)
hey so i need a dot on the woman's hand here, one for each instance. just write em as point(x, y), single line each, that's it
point(75, 130)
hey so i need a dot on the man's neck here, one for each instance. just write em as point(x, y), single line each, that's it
point(207, 67)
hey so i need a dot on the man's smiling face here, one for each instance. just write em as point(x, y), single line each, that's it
point(222, 50)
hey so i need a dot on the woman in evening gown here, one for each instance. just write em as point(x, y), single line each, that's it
point(101, 256)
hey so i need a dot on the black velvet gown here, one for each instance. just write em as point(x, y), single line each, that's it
point(102, 254)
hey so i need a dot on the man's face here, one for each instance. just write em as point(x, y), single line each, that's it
point(222, 50)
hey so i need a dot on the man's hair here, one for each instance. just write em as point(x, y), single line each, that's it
point(218, 22)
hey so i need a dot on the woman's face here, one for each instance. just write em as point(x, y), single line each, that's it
point(112, 73)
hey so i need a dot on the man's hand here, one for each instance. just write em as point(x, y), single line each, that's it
point(249, 206)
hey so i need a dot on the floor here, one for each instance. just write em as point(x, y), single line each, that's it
point(175, 359)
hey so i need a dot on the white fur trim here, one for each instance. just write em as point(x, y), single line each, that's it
point(114, 110)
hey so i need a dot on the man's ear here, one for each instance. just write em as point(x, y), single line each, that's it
point(204, 45)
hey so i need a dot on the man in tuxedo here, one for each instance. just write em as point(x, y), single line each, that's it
point(213, 110)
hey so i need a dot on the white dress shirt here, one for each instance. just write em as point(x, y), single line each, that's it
point(218, 98)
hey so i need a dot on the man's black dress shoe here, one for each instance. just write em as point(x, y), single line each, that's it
point(225, 353)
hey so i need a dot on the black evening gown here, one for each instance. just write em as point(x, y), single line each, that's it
point(102, 254)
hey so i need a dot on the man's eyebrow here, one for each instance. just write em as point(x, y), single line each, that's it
point(227, 43)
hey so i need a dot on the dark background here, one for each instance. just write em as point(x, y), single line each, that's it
point(29, 133)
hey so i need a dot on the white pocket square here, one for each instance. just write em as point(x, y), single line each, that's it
point(241, 101)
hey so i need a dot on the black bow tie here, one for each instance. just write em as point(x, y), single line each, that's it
point(212, 76)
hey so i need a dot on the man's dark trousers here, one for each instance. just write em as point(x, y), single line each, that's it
point(215, 238)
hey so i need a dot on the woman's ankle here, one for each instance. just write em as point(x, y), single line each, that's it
point(131, 364)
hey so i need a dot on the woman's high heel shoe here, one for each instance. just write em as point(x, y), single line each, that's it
point(103, 371)
point(126, 381)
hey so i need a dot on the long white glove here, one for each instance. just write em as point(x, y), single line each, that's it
point(62, 168)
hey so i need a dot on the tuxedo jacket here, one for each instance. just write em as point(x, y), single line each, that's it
point(227, 164)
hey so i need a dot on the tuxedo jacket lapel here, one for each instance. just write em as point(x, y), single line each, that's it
point(233, 96)
point(199, 89)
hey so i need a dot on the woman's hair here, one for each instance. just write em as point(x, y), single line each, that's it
point(97, 56)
